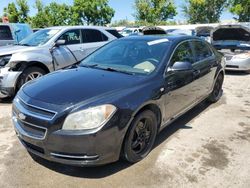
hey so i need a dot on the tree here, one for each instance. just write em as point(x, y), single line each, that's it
point(23, 10)
point(19, 13)
point(154, 11)
point(96, 12)
point(204, 11)
point(242, 9)
point(58, 14)
point(12, 12)
point(40, 20)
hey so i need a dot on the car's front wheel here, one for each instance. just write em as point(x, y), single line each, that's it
point(29, 74)
point(217, 90)
point(140, 137)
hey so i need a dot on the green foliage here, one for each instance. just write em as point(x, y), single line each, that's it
point(96, 12)
point(40, 20)
point(57, 14)
point(12, 12)
point(204, 11)
point(242, 9)
point(154, 11)
point(23, 10)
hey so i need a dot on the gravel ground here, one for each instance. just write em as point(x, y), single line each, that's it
point(207, 147)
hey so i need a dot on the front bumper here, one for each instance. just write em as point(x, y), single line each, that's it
point(8, 80)
point(238, 64)
point(44, 137)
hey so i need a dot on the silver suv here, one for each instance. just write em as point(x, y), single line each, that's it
point(48, 50)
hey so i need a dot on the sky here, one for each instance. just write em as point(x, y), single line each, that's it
point(123, 8)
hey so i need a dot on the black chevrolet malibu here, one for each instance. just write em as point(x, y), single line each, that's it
point(116, 101)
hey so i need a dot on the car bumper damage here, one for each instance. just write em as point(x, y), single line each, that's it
point(8, 81)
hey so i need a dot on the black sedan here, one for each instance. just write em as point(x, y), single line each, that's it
point(116, 101)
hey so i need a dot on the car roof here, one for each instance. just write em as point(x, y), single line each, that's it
point(77, 27)
point(173, 38)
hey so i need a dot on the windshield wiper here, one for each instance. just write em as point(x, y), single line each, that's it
point(117, 70)
point(89, 66)
point(23, 44)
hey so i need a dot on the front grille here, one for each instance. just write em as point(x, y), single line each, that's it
point(37, 111)
point(33, 147)
point(232, 66)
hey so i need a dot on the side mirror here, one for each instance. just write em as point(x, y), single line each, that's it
point(59, 43)
point(181, 66)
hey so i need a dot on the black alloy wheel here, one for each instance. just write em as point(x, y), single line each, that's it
point(140, 137)
point(217, 90)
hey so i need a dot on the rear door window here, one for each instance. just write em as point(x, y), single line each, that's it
point(71, 37)
point(5, 33)
point(93, 35)
point(202, 51)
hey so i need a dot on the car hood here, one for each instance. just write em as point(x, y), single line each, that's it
point(70, 87)
point(232, 33)
point(11, 49)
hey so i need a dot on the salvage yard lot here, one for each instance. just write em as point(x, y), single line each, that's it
point(208, 146)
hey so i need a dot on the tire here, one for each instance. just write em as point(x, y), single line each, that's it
point(217, 90)
point(140, 137)
point(29, 74)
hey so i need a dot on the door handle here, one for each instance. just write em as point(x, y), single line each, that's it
point(196, 73)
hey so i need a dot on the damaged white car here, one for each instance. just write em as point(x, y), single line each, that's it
point(48, 50)
point(234, 42)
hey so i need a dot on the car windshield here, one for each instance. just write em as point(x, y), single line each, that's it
point(129, 56)
point(39, 38)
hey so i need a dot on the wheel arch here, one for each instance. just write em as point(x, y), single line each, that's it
point(21, 66)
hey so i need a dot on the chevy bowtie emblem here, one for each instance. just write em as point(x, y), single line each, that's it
point(21, 116)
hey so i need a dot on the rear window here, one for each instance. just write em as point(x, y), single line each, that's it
point(115, 33)
point(5, 33)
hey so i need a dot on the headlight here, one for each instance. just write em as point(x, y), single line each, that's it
point(242, 56)
point(90, 118)
point(4, 60)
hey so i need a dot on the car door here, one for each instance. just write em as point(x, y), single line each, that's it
point(70, 52)
point(205, 67)
point(180, 93)
point(92, 40)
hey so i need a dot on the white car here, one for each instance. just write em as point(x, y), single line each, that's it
point(48, 50)
point(234, 42)
point(130, 31)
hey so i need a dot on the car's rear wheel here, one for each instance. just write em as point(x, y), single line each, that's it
point(140, 137)
point(217, 90)
point(29, 74)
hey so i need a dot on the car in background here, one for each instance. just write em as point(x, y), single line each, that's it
point(204, 32)
point(48, 50)
point(35, 29)
point(189, 32)
point(130, 31)
point(13, 33)
point(150, 30)
point(234, 42)
point(117, 100)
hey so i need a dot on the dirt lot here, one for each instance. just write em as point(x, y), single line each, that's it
point(207, 147)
